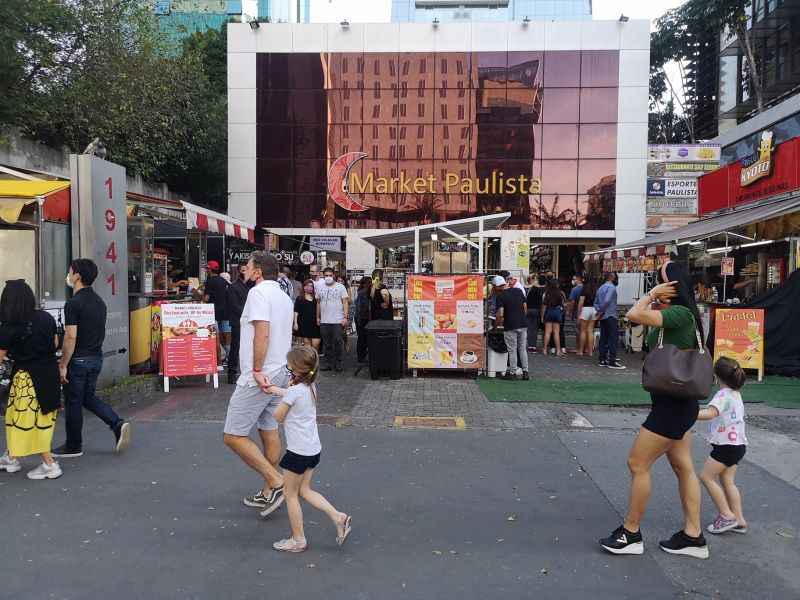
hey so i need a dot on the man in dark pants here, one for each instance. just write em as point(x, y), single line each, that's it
point(82, 361)
point(236, 296)
point(215, 292)
point(333, 304)
point(605, 303)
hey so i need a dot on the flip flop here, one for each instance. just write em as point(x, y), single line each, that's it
point(340, 539)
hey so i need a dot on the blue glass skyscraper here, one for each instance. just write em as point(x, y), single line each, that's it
point(489, 10)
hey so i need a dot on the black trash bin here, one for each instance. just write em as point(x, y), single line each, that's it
point(384, 341)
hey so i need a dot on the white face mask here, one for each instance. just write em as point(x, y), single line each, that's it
point(69, 282)
point(329, 280)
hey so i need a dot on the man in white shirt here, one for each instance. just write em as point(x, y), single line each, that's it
point(333, 303)
point(265, 339)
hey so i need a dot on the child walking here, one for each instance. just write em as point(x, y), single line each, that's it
point(729, 443)
point(298, 413)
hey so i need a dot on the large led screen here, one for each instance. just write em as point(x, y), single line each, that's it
point(382, 140)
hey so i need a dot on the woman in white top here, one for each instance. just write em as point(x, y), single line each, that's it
point(298, 413)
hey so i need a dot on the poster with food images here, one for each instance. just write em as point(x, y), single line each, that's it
point(739, 334)
point(445, 322)
point(189, 339)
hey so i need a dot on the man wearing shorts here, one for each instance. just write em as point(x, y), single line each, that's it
point(265, 339)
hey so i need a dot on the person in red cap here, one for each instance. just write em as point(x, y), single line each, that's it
point(215, 291)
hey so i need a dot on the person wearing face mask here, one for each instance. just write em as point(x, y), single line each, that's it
point(333, 303)
point(82, 360)
point(605, 305)
point(305, 316)
point(236, 297)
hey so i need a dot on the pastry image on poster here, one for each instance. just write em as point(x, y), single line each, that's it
point(421, 351)
point(421, 316)
point(471, 351)
point(445, 315)
point(445, 349)
point(445, 289)
point(469, 316)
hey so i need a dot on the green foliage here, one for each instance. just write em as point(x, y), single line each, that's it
point(666, 126)
point(109, 72)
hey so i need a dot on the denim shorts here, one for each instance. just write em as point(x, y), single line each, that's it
point(225, 326)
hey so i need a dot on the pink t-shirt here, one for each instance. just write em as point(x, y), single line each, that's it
point(728, 428)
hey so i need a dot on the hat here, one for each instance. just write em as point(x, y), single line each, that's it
point(213, 265)
point(497, 281)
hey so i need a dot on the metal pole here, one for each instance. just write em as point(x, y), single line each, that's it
point(725, 277)
point(416, 250)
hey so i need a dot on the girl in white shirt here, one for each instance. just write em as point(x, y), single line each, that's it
point(298, 413)
point(728, 446)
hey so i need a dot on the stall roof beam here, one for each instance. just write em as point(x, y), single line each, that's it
point(712, 226)
point(460, 228)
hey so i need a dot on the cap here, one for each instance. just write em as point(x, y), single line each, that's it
point(497, 281)
point(213, 265)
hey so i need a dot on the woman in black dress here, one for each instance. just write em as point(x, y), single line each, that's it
point(305, 317)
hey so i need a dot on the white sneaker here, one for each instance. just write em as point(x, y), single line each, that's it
point(8, 464)
point(45, 471)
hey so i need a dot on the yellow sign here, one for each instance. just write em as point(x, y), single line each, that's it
point(763, 165)
point(523, 255)
point(739, 334)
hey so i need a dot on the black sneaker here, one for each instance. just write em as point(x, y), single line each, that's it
point(526, 376)
point(615, 364)
point(274, 500)
point(257, 500)
point(680, 543)
point(602, 362)
point(509, 376)
point(122, 434)
point(622, 541)
point(67, 452)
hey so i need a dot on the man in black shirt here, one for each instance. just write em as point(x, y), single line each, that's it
point(215, 291)
point(236, 296)
point(82, 360)
point(511, 309)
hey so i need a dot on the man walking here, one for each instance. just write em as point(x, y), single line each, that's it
point(82, 360)
point(265, 339)
point(236, 297)
point(605, 304)
point(215, 292)
point(333, 303)
point(511, 309)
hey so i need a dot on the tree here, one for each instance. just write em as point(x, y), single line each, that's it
point(666, 126)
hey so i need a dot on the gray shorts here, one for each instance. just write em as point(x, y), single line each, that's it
point(249, 406)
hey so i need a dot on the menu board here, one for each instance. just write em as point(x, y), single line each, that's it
point(739, 334)
point(445, 322)
point(188, 339)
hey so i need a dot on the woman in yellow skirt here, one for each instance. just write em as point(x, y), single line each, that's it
point(28, 338)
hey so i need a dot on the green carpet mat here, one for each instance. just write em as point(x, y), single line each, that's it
point(779, 392)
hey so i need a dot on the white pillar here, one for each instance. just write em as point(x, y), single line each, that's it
point(481, 266)
point(416, 251)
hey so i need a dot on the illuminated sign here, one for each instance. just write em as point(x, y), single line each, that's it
point(760, 164)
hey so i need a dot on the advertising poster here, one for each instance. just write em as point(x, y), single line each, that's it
point(739, 334)
point(445, 322)
point(727, 266)
point(189, 339)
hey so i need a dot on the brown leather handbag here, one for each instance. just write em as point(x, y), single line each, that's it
point(683, 374)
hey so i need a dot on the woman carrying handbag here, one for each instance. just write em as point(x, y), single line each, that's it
point(677, 372)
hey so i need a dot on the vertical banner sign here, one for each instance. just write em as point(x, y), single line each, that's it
point(99, 232)
point(727, 266)
point(445, 322)
point(739, 334)
point(188, 339)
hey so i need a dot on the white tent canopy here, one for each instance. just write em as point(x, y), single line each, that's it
point(460, 229)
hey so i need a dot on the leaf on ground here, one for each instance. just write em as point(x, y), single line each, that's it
point(785, 534)
point(500, 540)
point(511, 518)
point(543, 571)
point(437, 552)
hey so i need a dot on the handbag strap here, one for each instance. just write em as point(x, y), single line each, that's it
point(700, 346)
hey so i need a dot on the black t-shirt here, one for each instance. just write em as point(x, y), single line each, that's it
point(88, 311)
point(306, 313)
point(30, 343)
point(535, 297)
point(378, 311)
point(216, 288)
point(512, 302)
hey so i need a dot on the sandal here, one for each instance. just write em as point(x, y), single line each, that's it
point(290, 545)
point(340, 539)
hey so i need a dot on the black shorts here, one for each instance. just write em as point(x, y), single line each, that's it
point(671, 417)
point(297, 463)
point(728, 454)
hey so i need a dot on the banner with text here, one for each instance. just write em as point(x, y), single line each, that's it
point(188, 339)
point(739, 334)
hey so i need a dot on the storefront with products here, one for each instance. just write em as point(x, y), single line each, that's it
point(346, 132)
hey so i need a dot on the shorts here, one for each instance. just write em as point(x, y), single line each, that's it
point(671, 417)
point(224, 326)
point(728, 454)
point(297, 463)
point(553, 314)
point(588, 313)
point(249, 406)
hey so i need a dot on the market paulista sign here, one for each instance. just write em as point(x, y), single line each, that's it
point(760, 164)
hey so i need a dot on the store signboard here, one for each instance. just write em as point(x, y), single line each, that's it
point(678, 153)
point(188, 340)
point(99, 232)
point(445, 322)
point(325, 242)
point(672, 206)
point(739, 334)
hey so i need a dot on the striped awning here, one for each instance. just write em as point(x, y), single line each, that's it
point(204, 219)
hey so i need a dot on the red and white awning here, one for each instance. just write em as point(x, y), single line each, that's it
point(204, 219)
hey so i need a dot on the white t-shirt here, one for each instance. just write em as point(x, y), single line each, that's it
point(728, 428)
point(300, 426)
point(331, 309)
point(265, 302)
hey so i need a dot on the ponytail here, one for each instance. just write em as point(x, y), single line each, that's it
point(730, 373)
